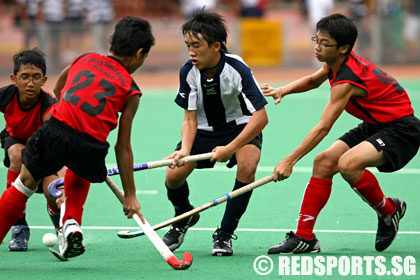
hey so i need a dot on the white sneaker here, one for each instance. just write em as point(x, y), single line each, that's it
point(70, 238)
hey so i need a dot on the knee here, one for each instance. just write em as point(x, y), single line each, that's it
point(325, 165)
point(347, 166)
point(173, 180)
point(246, 170)
point(15, 155)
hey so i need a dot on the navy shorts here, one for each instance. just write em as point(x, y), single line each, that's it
point(399, 139)
point(56, 145)
point(206, 141)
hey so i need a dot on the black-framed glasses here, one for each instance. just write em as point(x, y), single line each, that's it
point(322, 45)
point(36, 79)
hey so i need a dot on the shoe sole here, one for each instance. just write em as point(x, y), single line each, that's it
point(292, 253)
point(316, 249)
point(220, 253)
point(75, 246)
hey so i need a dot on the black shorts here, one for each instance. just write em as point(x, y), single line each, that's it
point(400, 140)
point(56, 145)
point(6, 142)
point(206, 141)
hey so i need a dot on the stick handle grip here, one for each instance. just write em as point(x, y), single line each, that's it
point(160, 163)
point(167, 162)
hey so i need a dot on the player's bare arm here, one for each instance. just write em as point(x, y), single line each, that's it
point(124, 155)
point(340, 95)
point(189, 130)
point(301, 85)
point(61, 81)
point(258, 121)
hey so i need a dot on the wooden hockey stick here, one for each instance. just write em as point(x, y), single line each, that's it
point(214, 202)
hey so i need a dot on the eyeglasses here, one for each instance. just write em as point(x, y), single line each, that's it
point(35, 79)
point(322, 45)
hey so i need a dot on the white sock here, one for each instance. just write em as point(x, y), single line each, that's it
point(22, 188)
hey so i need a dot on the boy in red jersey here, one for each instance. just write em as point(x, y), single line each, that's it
point(25, 106)
point(94, 89)
point(387, 139)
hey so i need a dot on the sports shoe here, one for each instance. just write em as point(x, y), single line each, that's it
point(70, 238)
point(296, 245)
point(20, 238)
point(222, 243)
point(388, 226)
point(175, 235)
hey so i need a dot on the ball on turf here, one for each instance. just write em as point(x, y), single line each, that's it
point(49, 239)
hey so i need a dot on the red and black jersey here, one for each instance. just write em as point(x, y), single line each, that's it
point(21, 122)
point(386, 101)
point(96, 89)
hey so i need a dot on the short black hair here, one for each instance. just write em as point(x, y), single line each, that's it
point(340, 28)
point(210, 25)
point(33, 57)
point(130, 35)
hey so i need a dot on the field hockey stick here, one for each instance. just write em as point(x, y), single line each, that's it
point(56, 193)
point(217, 201)
point(153, 236)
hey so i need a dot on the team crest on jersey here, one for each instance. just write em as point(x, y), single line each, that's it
point(210, 89)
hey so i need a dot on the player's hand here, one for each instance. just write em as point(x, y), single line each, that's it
point(282, 171)
point(131, 206)
point(177, 156)
point(59, 201)
point(276, 93)
point(222, 154)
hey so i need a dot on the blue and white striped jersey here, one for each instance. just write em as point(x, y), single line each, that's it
point(229, 98)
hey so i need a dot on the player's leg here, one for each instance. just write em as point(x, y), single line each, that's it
point(20, 230)
point(315, 197)
point(13, 200)
point(70, 234)
point(53, 204)
point(178, 193)
point(352, 167)
point(247, 158)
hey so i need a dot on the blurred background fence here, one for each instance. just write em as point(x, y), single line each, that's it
point(266, 33)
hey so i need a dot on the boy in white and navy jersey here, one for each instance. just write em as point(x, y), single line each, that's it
point(224, 113)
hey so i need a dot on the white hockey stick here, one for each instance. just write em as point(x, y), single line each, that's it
point(153, 236)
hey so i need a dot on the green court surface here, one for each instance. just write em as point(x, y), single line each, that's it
point(346, 227)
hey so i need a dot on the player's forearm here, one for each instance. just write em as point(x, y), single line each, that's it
point(257, 123)
point(311, 140)
point(125, 163)
point(303, 84)
point(189, 130)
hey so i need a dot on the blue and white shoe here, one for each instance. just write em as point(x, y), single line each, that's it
point(20, 238)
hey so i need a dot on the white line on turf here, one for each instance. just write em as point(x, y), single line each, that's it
point(239, 229)
point(151, 192)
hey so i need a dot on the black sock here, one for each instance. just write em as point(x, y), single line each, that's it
point(179, 199)
point(235, 208)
